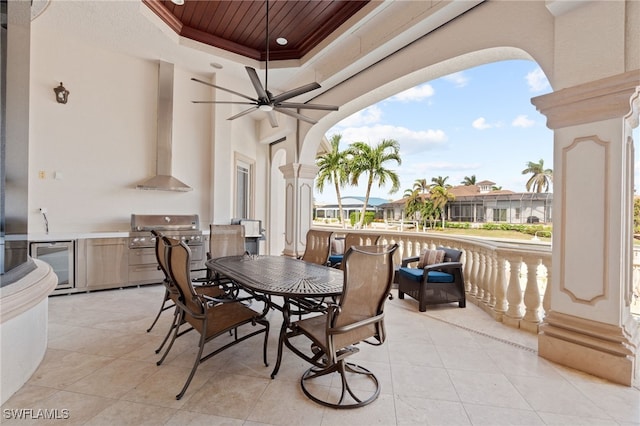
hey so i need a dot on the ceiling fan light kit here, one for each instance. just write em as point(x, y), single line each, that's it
point(265, 100)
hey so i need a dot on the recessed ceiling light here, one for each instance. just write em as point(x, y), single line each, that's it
point(216, 65)
point(282, 41)
point(178, 2)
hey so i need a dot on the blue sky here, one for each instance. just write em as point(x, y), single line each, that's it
point(476, 122)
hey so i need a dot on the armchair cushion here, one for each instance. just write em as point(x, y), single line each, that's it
point(429, 257)
point(416, 275)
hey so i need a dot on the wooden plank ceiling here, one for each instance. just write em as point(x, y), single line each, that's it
point(240, 26)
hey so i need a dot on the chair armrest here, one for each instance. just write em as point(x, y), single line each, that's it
point(443, 265)
point(407, 260)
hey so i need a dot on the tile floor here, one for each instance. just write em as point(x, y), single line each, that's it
point(446, 366)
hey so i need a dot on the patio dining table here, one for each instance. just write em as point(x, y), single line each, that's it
point(296, 281)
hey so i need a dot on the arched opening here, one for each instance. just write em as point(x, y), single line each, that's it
point(475, 123)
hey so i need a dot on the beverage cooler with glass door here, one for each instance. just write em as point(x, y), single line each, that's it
point(61, 256)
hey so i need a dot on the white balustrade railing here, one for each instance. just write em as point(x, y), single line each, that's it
point(507, 279)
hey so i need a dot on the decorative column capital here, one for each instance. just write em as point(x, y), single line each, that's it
point(297, 170)
point(598, 100)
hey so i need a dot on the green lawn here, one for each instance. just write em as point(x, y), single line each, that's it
point(486, 233)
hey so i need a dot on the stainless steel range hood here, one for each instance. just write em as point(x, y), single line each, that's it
point(164, 180)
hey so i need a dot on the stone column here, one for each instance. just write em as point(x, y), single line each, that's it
point(589, 325)
point(299, 205)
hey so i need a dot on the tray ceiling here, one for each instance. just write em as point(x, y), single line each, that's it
point(240, 26)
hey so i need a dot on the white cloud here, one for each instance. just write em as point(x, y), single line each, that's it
point(481, 124)
point(411, 141)
point(417, 93)
point(537, 81)
point(522, 121)
point(369, 115)
point(457, 78)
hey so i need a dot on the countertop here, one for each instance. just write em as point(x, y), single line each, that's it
point(67, 236)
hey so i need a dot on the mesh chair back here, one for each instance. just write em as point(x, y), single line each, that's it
point(178, 260)
point(318, 247)
point(161, 248)
point(226, 240)
point(368, 275)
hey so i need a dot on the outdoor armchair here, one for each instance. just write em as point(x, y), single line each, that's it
point(439, 280)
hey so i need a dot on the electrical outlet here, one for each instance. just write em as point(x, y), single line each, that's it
point(42, 174)
point(43, 210)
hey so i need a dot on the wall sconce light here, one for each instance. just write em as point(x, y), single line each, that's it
point(62, 94)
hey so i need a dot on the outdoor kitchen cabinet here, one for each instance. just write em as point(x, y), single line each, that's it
point(103, 263)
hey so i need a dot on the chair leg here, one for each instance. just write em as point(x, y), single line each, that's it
point(176, 329)
point(174, 324)
point(195, 365)
point(162, 309)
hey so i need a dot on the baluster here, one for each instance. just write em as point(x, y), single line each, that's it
point(481, 283)
point(501, 289)
point(473, 289)
point(532, 300)
point(490, 298)
point(514, 293)
point(468, 265)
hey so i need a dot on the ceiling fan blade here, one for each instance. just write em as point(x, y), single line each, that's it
point(295, 92)
point(245, 112)
point(226, 90)
point(272, 119)
point(295, 115)
point(255, 80)
point(307, 106)
point(225, 102)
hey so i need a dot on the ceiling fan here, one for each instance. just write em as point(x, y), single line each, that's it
point(265, 100)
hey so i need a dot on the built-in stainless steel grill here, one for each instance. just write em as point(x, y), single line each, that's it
point(143, 265)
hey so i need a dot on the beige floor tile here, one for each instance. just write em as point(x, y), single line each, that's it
point(295, 409)
point(162, 387)
point(423, 382)
point(114, 379)
point(487, 389)
point(61, 368)
point(420, 411)
point(228, 395)
point(379, 412)
point(125, 413)
point(189, 418)
point(487, 415)
point(557, 396)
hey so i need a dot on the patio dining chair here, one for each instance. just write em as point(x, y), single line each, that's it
point(318, 246)
point(350, 240)
point(357, 317)
point(436, 279)
point(210, 317)
point(171, 292)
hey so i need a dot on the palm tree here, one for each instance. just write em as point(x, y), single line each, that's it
point(413, 202)
point(364, 158)
point(333, 168)
point(440, 181)
point(421, 185)
point(540, 179)
point(469, 180)
point(440, 196)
